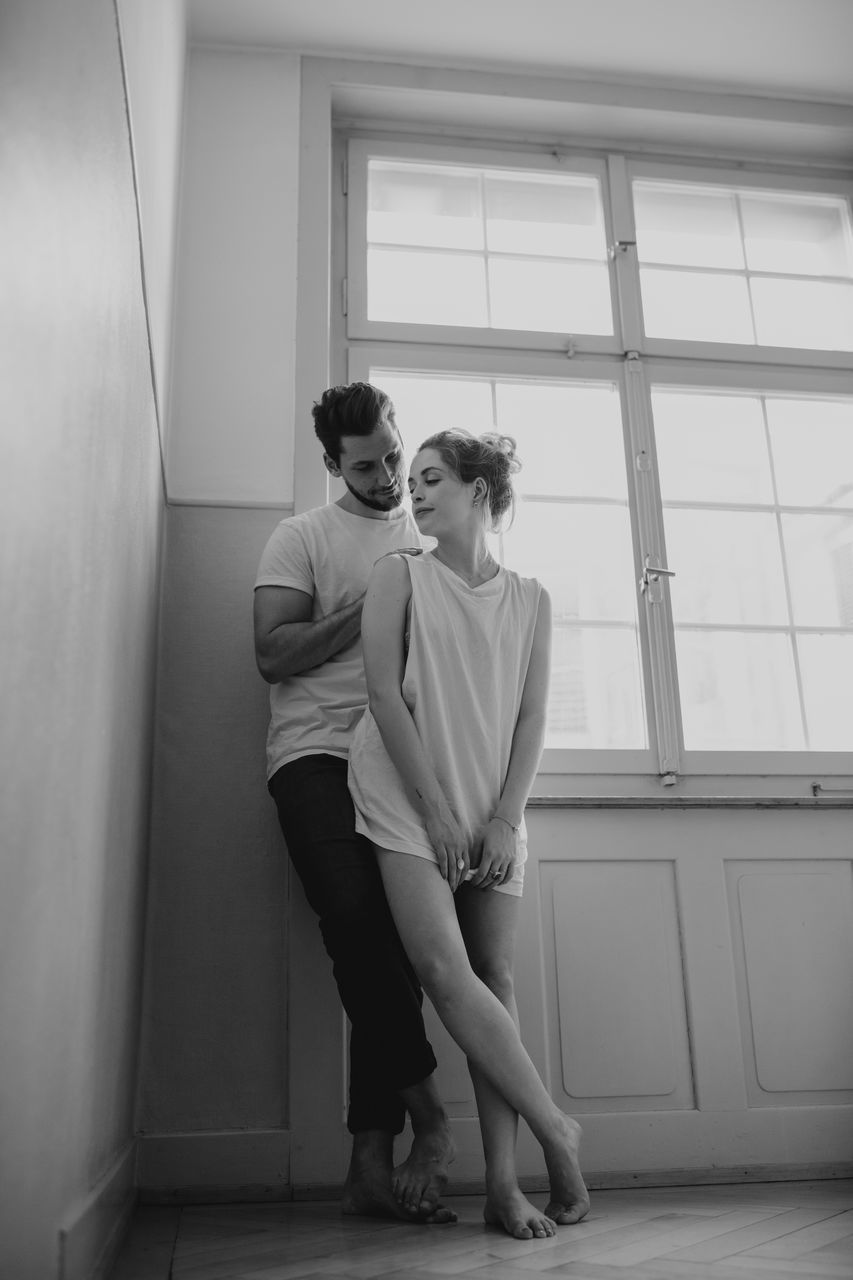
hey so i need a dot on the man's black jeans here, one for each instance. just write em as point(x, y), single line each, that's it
point(389, 1050)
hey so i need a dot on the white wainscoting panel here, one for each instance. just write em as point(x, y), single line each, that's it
point(792, 923)
point(616, 1006)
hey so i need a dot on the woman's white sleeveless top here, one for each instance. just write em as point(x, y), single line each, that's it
point(469, 651)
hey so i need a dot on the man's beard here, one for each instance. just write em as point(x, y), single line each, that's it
point(389, 503)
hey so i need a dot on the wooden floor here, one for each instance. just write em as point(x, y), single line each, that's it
point(770, 1231)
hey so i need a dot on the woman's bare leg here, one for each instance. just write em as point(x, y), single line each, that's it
point(489, 921)
point(424, 912)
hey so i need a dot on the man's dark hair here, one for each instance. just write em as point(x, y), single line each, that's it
point(354, 410)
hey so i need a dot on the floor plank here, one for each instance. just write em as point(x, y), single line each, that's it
point(781, 1230)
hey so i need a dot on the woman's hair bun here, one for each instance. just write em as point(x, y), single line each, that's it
point(505, 445)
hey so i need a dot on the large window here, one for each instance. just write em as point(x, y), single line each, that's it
point(671, 349)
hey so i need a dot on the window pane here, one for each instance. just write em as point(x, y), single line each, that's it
point(826, 663)
point(581, 553)
point(733, 234)
point(504, 223)
point(738, 691)
point(424, 205)
point(742, 568)
point(569, 438)
point(687, 226)
point(559, 297)
point(425, 405)
point(803, 313)
point(711, 448)
point(799, 235)
point(728, 567)
point(812, 443)
point(695, 306)
point(553, 216)
point(426, 288)
point(819, 553)
point(595, 699)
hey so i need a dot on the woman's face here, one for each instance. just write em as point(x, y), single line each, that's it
point(441, 502)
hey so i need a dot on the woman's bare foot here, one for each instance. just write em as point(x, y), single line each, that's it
point(513, 1212)
point(569, 1197)
point(419, 1181)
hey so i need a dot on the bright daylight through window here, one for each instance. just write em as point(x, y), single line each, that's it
point(670, 347)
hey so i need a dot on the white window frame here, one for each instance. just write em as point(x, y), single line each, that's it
point(635, 363)
point(358, 325)
point(744, 180)
point(737, 378)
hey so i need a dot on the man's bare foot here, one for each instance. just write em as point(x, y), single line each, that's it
point(513, 1212)
point(368, 1190)
point(419, 1181)
point(373, 1198)
point(569, 1197)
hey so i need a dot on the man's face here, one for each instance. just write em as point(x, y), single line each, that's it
point(373, 468)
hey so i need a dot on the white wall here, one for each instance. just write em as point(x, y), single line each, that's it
point(153, 40)
point(81, 507)
point(231, 438)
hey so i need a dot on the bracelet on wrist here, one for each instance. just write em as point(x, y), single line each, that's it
point(501, 818)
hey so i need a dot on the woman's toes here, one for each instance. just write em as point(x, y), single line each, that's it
point(567, 1215)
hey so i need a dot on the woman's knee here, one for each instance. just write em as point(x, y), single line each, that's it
point(496, 974)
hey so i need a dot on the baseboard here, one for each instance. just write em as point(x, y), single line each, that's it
point(94, 1231)
point(711, 1177)
point(620, 1180)
point(251, 1165)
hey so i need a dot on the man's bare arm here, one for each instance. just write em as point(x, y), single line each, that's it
point(288, 641)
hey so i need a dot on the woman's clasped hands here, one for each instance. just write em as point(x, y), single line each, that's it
point(485, 862)
point(496, 845)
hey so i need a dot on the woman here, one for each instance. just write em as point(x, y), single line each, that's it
point(456, 653)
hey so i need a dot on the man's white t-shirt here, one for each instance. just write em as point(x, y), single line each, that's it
point(329, 554)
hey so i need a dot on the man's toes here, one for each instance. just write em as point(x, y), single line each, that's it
point(439, 1215)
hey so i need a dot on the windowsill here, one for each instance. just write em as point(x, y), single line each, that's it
point(669, 801)
point(645, 790)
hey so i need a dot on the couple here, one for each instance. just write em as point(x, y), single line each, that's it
point(410, 813)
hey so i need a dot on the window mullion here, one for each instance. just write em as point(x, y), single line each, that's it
point(655, 601)
point(623, 255)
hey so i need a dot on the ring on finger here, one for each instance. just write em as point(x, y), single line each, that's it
point(460, 863)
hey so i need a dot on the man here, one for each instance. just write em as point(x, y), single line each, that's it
point(308, 600)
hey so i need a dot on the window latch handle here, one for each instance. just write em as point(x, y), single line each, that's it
point(652, 574)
